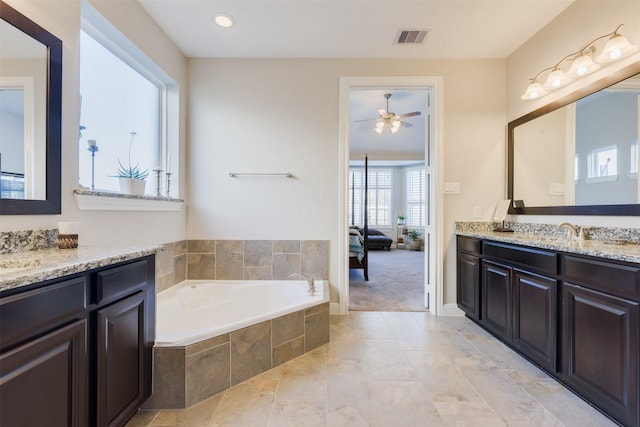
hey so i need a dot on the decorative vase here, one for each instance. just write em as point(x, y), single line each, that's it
point(415, 245)
point(132, 186)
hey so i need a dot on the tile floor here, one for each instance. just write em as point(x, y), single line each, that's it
point(394, 369)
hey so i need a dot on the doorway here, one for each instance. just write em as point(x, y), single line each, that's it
point(433, 181)
point(388, 127)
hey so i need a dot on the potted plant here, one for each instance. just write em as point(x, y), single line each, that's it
point(416, 240)
point(401, 218)
point(131, 178)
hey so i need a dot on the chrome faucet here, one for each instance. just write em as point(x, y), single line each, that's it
point(312, 286)
point(572, 230)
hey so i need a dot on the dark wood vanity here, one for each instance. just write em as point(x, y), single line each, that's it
point(575, 316)
point(76, 350)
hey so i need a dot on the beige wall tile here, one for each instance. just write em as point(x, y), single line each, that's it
point(250, 352)
point(179, 268)
point(316, 330)
point(168, 379)
point(315, 258)
point(164, 260)
point(285, 265)
point(201, 266)
point(286, 246)
point(257, 273)
point(288, 351)
point(207, 373)
point(201, 246)
point(180, 247)
point(257, 253)
point(287, 327)
point(229, 259)
point(164, 282)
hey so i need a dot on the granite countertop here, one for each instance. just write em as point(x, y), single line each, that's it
point(628, 251)
point(24, 268)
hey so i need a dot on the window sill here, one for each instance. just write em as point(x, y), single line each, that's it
point(107, 201)
point(608, 178)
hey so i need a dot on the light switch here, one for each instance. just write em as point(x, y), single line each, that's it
point(451, 188)
point(477, 211)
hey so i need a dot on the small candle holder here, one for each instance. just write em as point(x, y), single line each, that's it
point(168, 183)
point(158, 183)
point(93, 149)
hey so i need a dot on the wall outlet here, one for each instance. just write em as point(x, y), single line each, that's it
point(477, 211)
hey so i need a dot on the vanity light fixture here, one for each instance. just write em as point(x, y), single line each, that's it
point(582, 63)
point(224, 20)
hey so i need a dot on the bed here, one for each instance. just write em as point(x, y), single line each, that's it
point(358, 248)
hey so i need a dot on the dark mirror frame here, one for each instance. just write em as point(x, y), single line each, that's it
point(619, 210)
point(52, 203)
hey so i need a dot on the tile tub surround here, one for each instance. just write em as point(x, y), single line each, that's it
point(241, 260)
point(548, 236)
point(185, 376)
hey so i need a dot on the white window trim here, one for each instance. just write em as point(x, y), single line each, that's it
point(105, 33)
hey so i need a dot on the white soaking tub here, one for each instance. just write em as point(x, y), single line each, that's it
point(196, 310)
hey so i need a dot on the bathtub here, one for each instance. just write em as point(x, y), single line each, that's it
point(195, 310)
point(214, 334)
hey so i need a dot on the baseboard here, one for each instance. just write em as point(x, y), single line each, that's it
point(334, 308)
point(451, 310)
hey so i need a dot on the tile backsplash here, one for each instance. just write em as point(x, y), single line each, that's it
point(27, 240)
point(240, 260)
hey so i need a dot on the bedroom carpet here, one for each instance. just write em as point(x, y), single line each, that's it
point(396, 282)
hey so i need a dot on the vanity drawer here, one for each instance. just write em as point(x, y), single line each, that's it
point(468, 244)
point(24, 314)
point(619, 279)
point(121, 281)
point(540, 260)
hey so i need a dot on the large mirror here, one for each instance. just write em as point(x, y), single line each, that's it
point(30, 116)
point(579, 155)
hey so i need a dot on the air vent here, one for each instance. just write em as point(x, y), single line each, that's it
point(410, 36)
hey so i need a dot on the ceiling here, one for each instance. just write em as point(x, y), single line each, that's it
point(458, 29)
point(468, 29)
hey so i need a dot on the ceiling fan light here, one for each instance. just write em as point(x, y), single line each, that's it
point(581, 66)
point(379, 126)
point(534, 90)
point(395, 126)
point(617, 47)
point(556, 79)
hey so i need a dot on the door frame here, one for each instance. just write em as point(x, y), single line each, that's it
point(434, 278)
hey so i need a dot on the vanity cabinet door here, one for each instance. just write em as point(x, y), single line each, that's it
point(600, 350)
point(496, 299)
point(534, 317)
point(468, 285)
point(44, 382)
point(121, 360)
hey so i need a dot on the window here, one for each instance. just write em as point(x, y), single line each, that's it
point(116, 101)
point(415, 197)
point(602, 162)
point(634, 158)
point(379, 196)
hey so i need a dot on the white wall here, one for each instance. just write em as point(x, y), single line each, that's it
point(577, 25)
point(282, 116)
point(62, 18)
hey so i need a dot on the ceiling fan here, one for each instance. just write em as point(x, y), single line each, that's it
point(390, 119)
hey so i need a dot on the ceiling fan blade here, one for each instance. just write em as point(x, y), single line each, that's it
point(405, 124)
point(412, 114)
point(366, 120)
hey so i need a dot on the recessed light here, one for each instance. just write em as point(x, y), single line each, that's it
point(224, 20)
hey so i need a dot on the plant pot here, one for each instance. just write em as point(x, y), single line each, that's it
point(132, 186)
point(415, 245)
